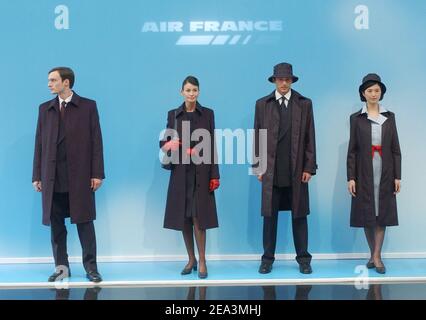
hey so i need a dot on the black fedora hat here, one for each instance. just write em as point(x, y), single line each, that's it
point(283, 70)
point(370, 80)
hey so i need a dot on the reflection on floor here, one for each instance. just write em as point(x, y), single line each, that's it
point(412, 291)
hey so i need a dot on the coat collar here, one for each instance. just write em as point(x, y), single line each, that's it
point(294, 95)
point(271, 96)
point(75, 101)
point(382, 114)
point(363, 110)
point(181, 109)
point(381, 109)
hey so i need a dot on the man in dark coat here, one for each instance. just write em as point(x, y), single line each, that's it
point(288, 165)
point(68, 168)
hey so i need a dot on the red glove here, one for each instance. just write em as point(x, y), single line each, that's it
point(172, 145)
point(214, 184)
point(191, 151)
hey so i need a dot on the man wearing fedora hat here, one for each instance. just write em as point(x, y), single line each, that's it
point(290, 162)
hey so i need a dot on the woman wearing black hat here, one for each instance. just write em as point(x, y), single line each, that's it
point(373, 168)
point(191, 206)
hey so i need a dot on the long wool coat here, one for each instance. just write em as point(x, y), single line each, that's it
point(206, 205)
point(360, 169)
point(303, 152)
point(84, 155)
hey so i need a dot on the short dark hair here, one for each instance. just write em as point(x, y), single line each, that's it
point(369, 84)
point(65, 73)
point(192, 80)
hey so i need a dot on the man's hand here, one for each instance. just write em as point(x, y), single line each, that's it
point(397, 186)
point(37, 186)
point(95, 184)
point(306, 176)
point(352, 188)
point(259, 177)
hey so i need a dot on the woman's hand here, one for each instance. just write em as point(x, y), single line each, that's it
point(352, 188)
point(172, 145)
point(214, 184)
point(397, 186)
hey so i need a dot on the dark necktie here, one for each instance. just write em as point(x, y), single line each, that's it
point(283, 100)
point(62, 109)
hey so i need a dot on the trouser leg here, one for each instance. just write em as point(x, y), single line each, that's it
point(58, 231)
point(86, 233)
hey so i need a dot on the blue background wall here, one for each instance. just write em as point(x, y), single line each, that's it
point(136, 76)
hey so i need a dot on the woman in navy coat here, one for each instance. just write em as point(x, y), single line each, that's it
point(373, 168)
point(191, 206)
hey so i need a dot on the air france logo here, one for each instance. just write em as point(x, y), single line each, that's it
point(217, 33)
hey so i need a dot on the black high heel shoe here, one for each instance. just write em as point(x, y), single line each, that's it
point(202, 275)
point(381, 269)
point(186, 271)
point(370, 265)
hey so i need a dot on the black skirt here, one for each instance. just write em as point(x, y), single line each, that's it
point(190, 195)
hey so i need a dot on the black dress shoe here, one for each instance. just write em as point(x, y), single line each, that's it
point(305, 268)
point(186, 271)
point(370, 265)
point(94, 276)
point(58, 275)
point(265, 268)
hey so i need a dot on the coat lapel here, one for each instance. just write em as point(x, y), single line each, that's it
point(272, 113)
point(365, 126)
point(296, 115)
point(53, 118)
point(275, 114)
point(385, 128)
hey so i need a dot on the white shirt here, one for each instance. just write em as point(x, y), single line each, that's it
point(67, 100)
point(380, 119)
point(279, 97)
